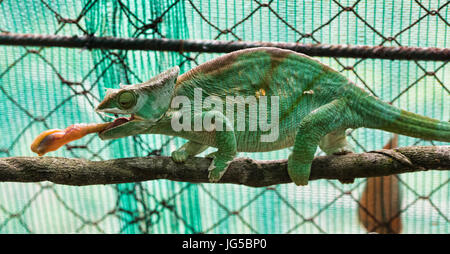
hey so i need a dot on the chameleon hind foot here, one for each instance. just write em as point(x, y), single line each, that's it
point(336, 143)
point(298, 172)
point(331, 118)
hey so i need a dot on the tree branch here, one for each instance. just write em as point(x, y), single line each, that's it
point(242, 170)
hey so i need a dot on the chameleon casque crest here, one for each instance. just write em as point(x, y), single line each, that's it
point(316, 105)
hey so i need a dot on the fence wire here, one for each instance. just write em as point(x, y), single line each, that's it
point(44, 88)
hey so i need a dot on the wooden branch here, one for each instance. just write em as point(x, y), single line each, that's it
point(242, 170)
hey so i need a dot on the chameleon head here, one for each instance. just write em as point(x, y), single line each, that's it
point(146, 103)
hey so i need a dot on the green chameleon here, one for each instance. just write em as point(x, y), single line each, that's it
point(316, 104)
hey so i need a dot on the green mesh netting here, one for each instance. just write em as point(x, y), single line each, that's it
point(43, 88)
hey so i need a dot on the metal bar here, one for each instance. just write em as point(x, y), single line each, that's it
point(215, 46)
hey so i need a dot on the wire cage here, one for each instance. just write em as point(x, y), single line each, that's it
point(52, 87)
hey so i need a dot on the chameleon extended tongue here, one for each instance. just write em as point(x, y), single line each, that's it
point(51, 140)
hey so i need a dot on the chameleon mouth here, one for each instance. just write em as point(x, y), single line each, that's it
point(120, 121)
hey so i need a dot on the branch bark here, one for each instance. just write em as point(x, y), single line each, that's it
point(243, 171)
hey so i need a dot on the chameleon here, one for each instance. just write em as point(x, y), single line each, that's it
point(316, 105)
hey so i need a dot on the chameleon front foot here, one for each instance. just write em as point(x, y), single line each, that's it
point(179, 156)
point(218, 167)
point(298, 172)
point(189, 149)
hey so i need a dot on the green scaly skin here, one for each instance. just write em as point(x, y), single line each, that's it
point(316, 106)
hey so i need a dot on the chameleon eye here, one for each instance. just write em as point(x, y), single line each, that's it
point(126, 99)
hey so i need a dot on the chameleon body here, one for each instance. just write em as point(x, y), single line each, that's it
point(316, 105)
